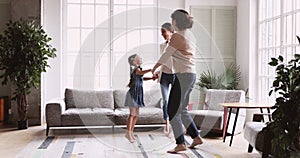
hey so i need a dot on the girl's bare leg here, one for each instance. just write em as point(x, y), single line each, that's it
point(166, 130)
point(129, 128)
point(136, 112)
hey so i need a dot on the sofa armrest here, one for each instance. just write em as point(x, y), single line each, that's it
point(54, 110)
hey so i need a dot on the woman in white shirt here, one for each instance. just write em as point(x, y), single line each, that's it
point(181, 50)
point(166, 76)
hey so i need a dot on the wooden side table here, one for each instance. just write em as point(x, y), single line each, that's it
point(230, 106)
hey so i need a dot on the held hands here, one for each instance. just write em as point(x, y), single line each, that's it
point(155, 76)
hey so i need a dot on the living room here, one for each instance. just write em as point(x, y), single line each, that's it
point(93, 40)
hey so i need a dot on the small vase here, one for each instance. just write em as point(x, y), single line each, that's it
point(23, 124)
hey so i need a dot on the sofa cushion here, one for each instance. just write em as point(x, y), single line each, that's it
point(208, 119)
point(89, 99)
point(152, 98)
point(214, 97)
point(147, 116)
point(87, 117)
point(253, 134)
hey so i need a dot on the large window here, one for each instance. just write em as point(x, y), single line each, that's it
point(278, 24)
point(98, 37)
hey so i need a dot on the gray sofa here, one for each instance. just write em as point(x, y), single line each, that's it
point(100, 108)
point(210, 118)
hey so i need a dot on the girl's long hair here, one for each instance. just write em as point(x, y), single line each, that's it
point(132, 69)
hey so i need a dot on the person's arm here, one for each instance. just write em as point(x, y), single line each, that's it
point(170, 50)
point(142, 72)
point(155, 67)
point(148, 78)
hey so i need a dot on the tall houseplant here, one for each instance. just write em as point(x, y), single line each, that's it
point(24, 51)
point(285, 124)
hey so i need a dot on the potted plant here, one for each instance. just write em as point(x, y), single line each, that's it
point(24, 51)
point(227, 80)
point(285, 122)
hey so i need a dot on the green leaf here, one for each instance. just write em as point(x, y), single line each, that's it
point(280, 58)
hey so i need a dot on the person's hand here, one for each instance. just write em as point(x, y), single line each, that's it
point(153, 71)
point(155, 76)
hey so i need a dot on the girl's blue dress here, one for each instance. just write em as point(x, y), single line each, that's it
point(135, 94)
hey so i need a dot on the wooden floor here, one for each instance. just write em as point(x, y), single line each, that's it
point(99, 142)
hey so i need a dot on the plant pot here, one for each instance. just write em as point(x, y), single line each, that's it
point(23, 124)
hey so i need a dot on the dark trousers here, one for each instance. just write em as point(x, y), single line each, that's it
point(177, 106)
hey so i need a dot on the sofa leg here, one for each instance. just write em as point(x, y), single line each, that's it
point(47, 130)
point(250, 148)
point(113, 128)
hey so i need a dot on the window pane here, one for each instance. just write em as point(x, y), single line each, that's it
point(134, 2)
point(297, 25)
point(73, 40)
point(87, 1)
point(134, 17)
point(149, 2)
point(262, 10)
point(119, 43)
point(102, 64)
point(276, 7)
point(297, 4)
point(288, 30)
point(73, 1)
point(72, 64)
point(87, 65)
point(87, 40)
point(288, 5)
point(102, 1)
point(102, 17)
point(133, 39)
point(101, 39)
point(119, 17)
point(87, 16)
point(277, 22)
point(269, 6)
point(119, 1)
point(147, 36)
point(73, 15)
point(148, 16)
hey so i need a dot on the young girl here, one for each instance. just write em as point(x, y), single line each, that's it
point(134, 97)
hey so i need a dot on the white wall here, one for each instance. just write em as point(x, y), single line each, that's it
point(246, 48)
point(51, 22)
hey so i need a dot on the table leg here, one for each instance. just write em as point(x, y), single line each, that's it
point(225, 126)
point(236, 116)
point(261, 111)
point(269, 113)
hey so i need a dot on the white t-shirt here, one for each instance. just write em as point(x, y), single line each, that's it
point(167, 67)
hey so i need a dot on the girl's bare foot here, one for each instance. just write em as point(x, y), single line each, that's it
point(166, 129)
point(196, 141)
point(132, 135)
point(170, 134)
point(179, 147)
point(128, 136)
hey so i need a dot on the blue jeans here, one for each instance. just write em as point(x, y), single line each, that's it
point(177, 107)
point(165, 81)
